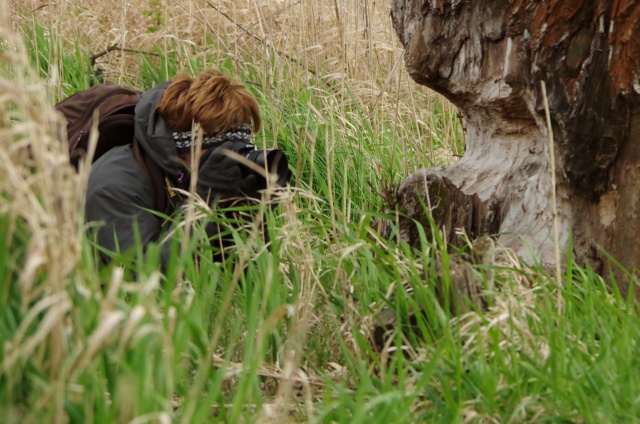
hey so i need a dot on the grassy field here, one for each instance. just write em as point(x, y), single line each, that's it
point(283, 334)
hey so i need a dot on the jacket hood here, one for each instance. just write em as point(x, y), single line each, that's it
point(153, 134)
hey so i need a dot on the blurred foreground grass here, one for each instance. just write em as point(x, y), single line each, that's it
point(280, 335)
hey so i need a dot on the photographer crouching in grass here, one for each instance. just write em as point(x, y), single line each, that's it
point(180, 126)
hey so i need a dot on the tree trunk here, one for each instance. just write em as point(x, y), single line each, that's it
point(489, 58)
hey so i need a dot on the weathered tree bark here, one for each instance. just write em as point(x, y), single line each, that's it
point(489, 58)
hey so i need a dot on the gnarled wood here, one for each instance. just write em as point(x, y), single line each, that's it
point(489, 58)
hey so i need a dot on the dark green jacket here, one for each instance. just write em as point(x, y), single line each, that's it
point(121, 194)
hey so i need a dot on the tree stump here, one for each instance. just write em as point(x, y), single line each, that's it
point(489, 58)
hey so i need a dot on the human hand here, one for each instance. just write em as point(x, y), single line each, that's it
point(219, 176)
point(250, 186)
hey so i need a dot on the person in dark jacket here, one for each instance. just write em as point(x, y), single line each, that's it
point(170, 119)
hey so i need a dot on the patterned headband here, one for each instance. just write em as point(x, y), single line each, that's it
point(186, 138)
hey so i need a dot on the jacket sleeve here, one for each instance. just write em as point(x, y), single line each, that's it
point(120, 199)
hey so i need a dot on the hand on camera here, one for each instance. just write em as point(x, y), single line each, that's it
point(221, 178)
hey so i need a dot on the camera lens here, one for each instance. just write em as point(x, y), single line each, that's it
point(274, 161)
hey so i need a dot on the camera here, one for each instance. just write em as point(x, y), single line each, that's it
point(273, 160)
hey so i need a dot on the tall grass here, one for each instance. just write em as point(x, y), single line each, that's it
point(280, 334)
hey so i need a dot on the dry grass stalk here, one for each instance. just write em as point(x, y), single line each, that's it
point(347, 46)
point(38, 192)
point(42, 196)
point(346, 50)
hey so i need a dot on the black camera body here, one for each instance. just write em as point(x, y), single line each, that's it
point(272, 160)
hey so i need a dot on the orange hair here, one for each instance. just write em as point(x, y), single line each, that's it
point(213, 100)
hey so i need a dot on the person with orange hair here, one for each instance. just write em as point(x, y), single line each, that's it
point(211, 110)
